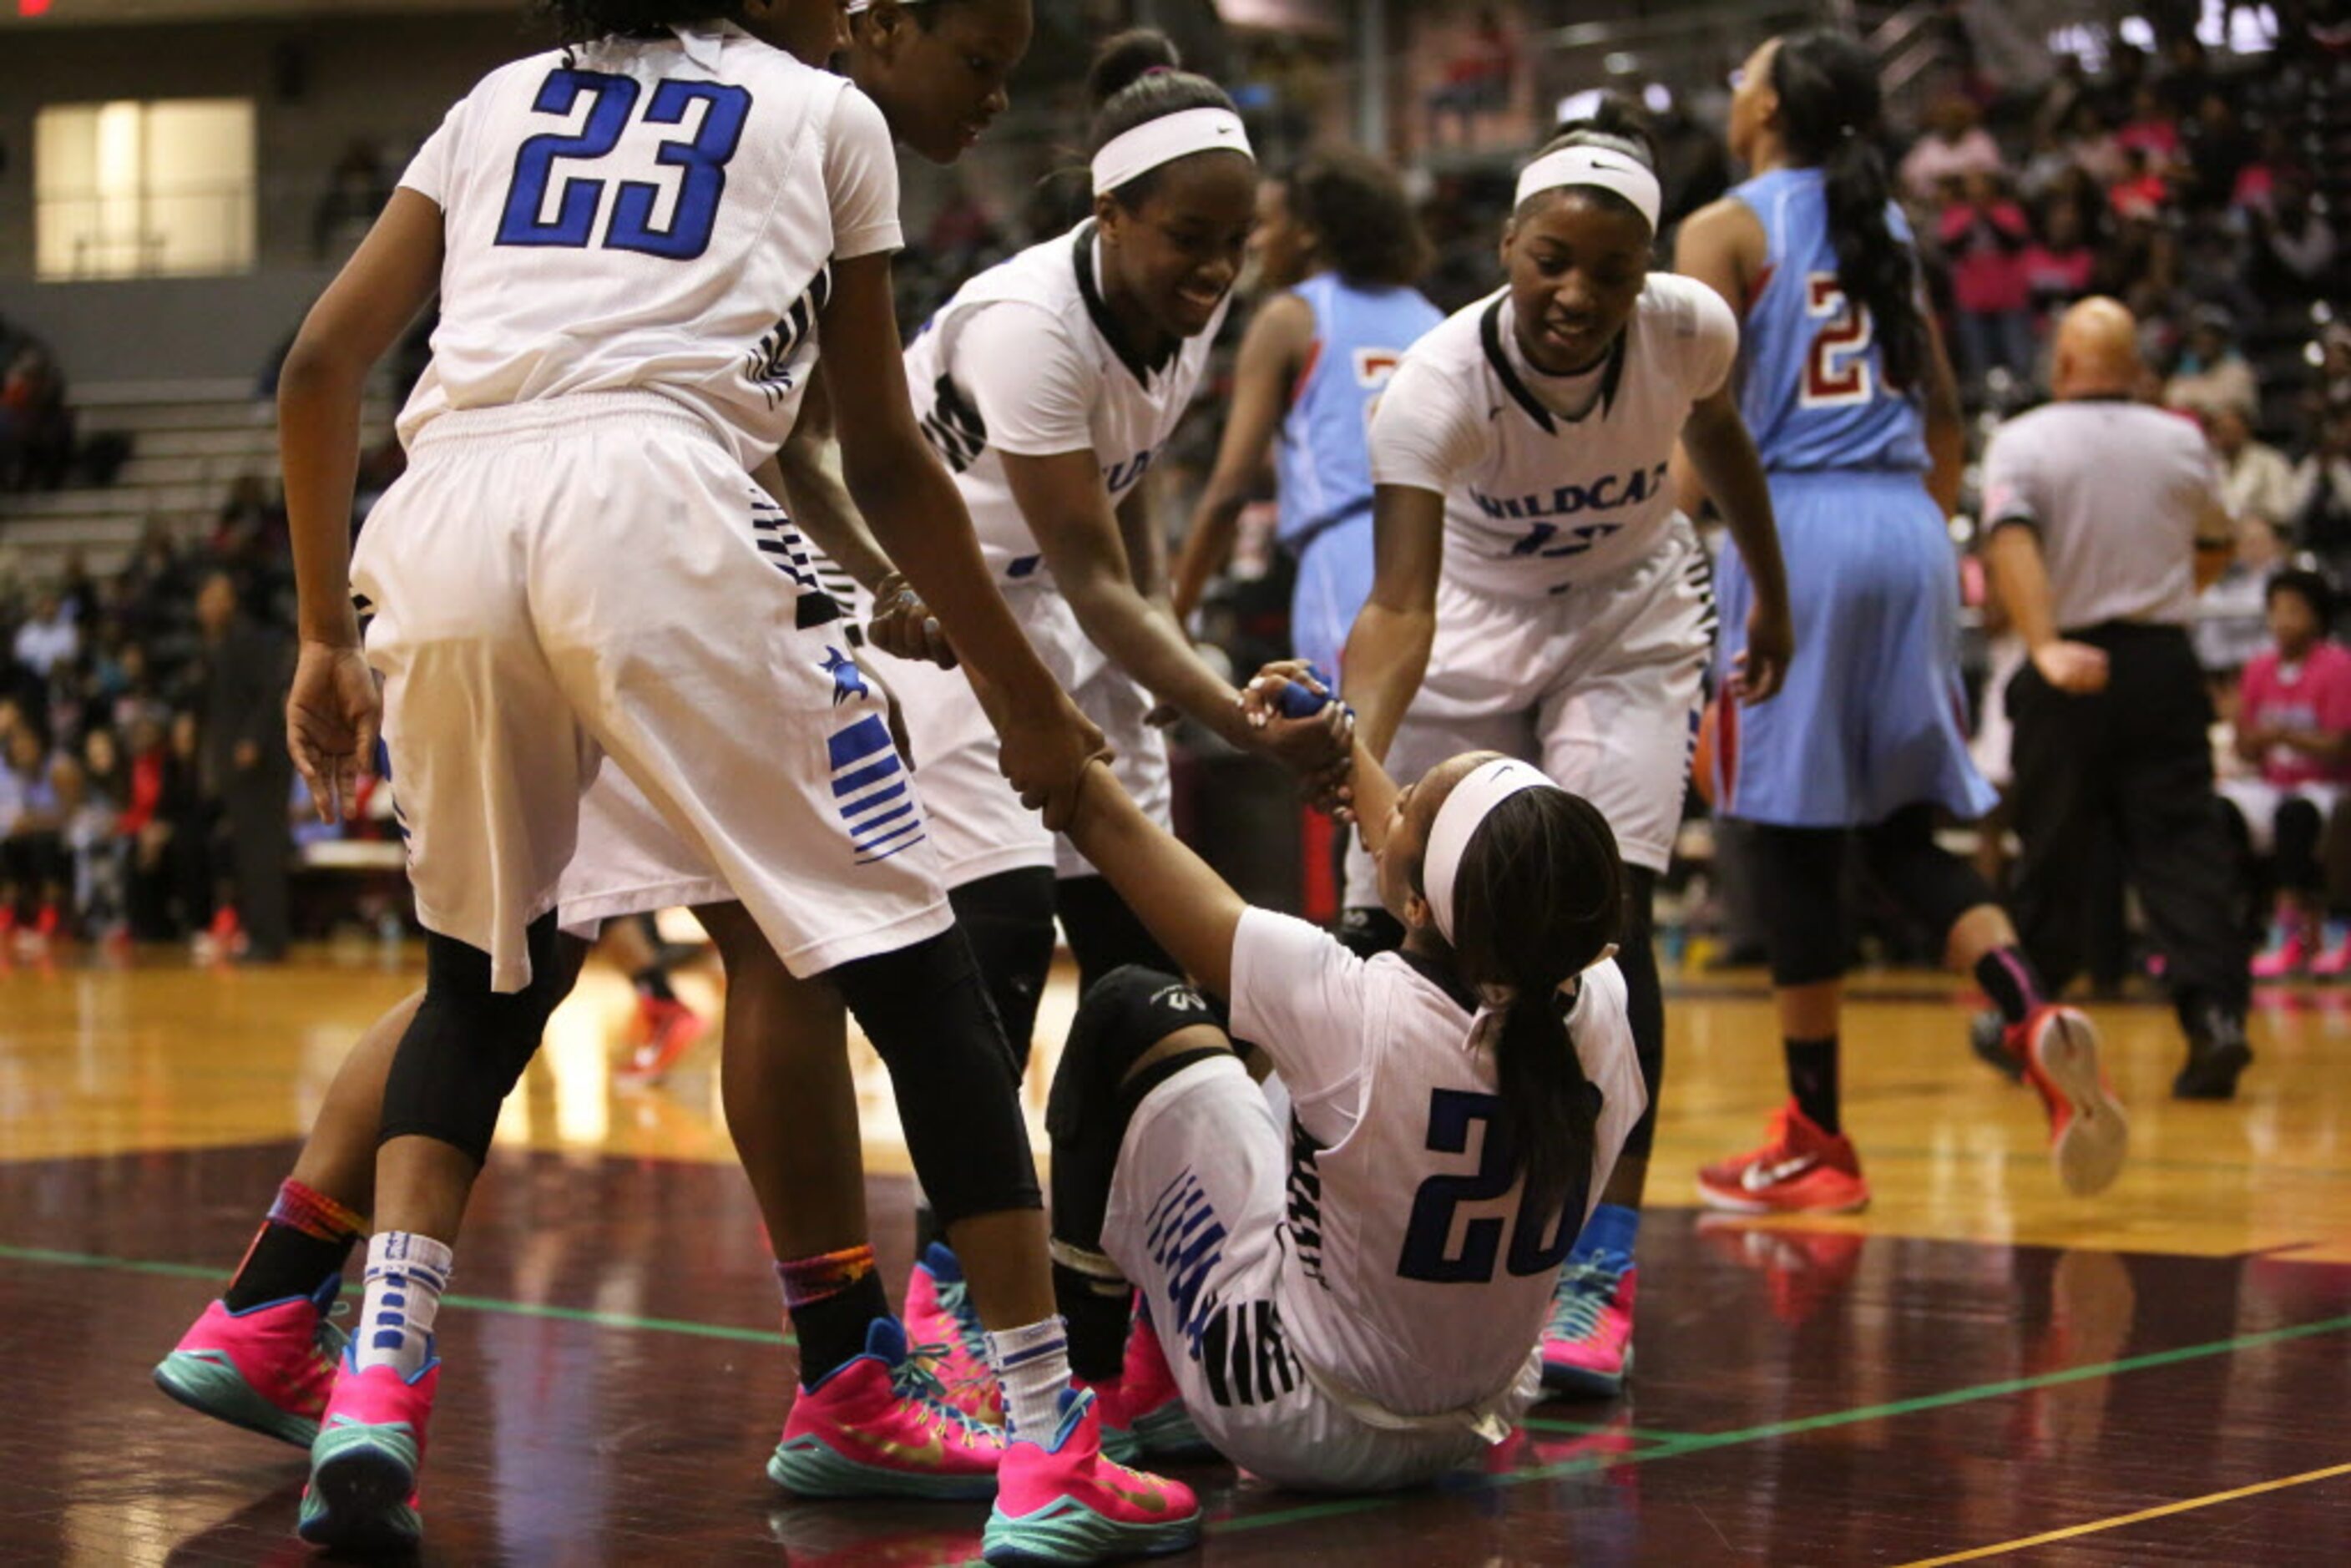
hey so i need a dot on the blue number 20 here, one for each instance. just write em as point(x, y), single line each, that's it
point(702, 159)
point(1451, 1112)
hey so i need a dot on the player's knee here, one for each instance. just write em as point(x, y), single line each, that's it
point(1136, 1029)
point(468, 1044)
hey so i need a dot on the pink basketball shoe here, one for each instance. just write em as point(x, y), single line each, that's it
point(877, 1426)
point(1060, 1501)
point(942, 1324)
point(266, 1369)
point(363, 1468)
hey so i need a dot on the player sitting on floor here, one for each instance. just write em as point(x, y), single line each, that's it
point(1355, 1303)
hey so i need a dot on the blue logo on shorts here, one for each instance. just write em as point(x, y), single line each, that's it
point(869, 785)
point(848, 680)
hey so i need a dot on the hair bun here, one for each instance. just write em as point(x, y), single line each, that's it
point(1128, 57)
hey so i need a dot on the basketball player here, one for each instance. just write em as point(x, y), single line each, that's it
point(1052, 384)
point(573, 569)
point(1355, 1301)
point(1538, 594)
point(262, 1355)
point(1845, 384)
point(1338, 250)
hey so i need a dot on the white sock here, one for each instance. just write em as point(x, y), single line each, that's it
point(405, 1276)
point(1033, 1365)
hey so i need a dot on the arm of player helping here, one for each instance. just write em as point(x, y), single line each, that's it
point(332, 709)
point(1271, 351)
point(1388, 649)
point(1723, 454)
point(1189, 909)
point(918, 517)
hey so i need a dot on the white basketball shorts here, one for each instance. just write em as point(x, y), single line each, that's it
point(1599, 686)
point(1196, 1221)
point(558, 581)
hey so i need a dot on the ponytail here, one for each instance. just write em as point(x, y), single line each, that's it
point(1539, 897)
point(1831, 116)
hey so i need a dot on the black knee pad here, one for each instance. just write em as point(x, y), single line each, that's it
point(468, 1044)
point(1368, 931)
point(1009, 919)
point(1121, 1018)
point(1644, 1000)
point(1935, 886)
point(1104, 933)
point(1800, 893)
point(926, 1010)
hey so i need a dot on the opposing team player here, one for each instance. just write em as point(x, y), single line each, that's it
point(1538, 594)
point(1338, 251)
point(1845, 384)
point(262, 1355)
point(572, 570)
point(1352, 1303)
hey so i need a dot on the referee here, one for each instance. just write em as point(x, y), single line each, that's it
point(2107, 519)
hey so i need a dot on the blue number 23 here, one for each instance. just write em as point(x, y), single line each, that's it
point(1451, 1112)
point(702, 159)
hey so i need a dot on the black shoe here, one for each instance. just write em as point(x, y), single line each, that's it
point(2217, 1054)
point(1988, 1038)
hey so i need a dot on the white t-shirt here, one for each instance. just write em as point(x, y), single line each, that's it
point(1026, 360)
point(1408, 1271)
point(658, 215)
point(1536, 500)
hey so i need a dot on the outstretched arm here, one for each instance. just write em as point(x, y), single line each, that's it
point(1387, 651)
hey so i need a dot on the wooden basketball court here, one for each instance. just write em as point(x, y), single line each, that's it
point(1976, 1369)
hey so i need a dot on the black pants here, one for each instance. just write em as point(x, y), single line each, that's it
point(260, 844)
point(2132, 762)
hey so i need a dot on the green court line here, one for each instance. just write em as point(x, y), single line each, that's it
point(473, 1303)
point(1661, 1445)
point(1696, 1443)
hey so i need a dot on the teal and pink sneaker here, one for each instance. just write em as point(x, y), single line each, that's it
point(1063, 1501)
point(1587, 1346)
point(363, 1468)
point(266, 1369)
point(879, 1425)
point(944, 1327)
point(1145, 1402)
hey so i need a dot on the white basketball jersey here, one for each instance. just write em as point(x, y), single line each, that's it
point(657, 215)
point(1414, 1273)
point(1026, 360)
point(1536, 501)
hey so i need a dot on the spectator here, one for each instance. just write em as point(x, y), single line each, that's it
point(2322, 512)
point(2256, 480)
point(1476, 81)
point(1985, 235)
point(2293, 723)
point(37, 428)
point(2143, 193)
point(2211, 375)
point(1955, 146)
point(33, 867)
point(247, 776)
point(2059, 266)
point(356, 192)
point(2233, 614)
point(2292, 242)
point(48, 637)
point(2152, 128)
point(2257, 180)
point(92, 854)
point(2218, 152)
point(2091, 143)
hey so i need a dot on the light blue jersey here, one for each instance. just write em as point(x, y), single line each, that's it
point(1323, 461)
point(1813, 382)
point(1871, 719)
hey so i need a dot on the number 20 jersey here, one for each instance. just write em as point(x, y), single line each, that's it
point(658, 215)
point(1812, 380)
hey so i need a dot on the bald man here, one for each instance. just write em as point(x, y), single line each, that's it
point(2106, 519)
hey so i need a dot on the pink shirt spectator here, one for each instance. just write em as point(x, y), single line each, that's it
point(2315, 695)
point(2058, 277)
point(1932, 159)
point(2158, 139)
point(1987, 248)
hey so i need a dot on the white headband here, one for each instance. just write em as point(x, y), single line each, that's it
point(1164, 140)
point(1457, 820)
point(1604, 168)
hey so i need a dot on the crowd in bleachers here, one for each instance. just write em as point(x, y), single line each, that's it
point(139, 713)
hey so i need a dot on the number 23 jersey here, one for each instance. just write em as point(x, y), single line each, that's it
point(658, 215)
point(1536, 500)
